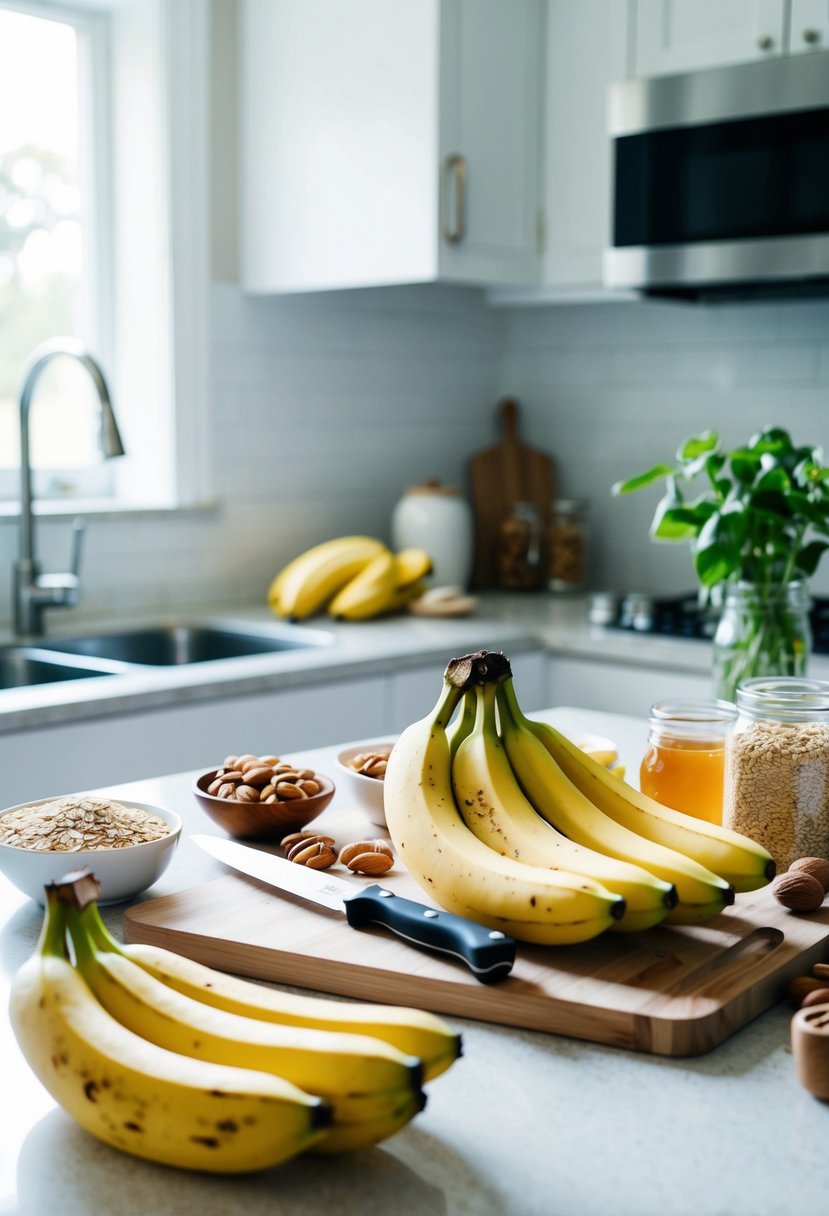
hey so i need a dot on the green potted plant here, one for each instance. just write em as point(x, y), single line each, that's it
point(757, 532)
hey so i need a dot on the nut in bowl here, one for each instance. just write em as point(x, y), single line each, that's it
point(363, 768)
point(262, 797)
point(127, 845)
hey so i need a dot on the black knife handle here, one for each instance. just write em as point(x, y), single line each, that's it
point(488, 953)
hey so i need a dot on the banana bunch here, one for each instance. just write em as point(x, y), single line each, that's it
point(353, 577)
point(171, 1061)
point(504, 820)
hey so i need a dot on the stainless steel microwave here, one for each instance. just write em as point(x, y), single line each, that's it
point(720, 181)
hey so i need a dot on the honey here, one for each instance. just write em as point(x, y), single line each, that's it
point(684, 764)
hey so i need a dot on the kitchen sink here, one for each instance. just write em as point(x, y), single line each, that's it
point(21, 667)
point(175, 644)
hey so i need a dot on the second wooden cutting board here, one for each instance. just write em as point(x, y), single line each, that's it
point(669, 991)
point(509, 472)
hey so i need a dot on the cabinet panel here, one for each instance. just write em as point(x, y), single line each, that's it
point(490, 115)
point(619, 687)
point(412, 694)
point(586, 52)
point(338, 123)
point(809, 26)
point(681, 35)
point(62, 759)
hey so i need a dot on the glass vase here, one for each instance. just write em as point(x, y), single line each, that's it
point(763, 631)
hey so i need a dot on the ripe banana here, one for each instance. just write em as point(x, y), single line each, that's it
point(493, 806)
point(143, 1099)
point(413, 565)
point(307, 583)
point(702, 894)
point(365, 1081)
point(384, 586)
point(740, 861)
point(462, 873)
point(412, 1031)
point(370, 593)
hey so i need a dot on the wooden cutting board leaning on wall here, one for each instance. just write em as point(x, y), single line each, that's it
point(501, 476)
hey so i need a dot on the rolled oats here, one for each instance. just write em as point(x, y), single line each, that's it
point(74, 823)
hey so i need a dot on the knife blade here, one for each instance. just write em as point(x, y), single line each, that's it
point(488, 953)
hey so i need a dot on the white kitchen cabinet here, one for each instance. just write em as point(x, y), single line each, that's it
point(587, 50)
point(808, 26)
point(683, 35)
point(389, 141)
point(412, 694)
point(127, 747)
point(620, 687)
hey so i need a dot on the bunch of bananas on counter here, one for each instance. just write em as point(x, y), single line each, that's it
point(504, 820)
point(353, 578)
point(169, 1060)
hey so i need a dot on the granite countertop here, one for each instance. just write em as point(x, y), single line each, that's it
point(525, 1124)
point(512, 622)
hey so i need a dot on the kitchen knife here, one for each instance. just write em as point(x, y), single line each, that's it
point(488, 953)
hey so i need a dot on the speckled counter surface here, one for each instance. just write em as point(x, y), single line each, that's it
point(512, 622)
point(525, 1124)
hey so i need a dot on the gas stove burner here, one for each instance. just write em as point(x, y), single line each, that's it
point(682, 616)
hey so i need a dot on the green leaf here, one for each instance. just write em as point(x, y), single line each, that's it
point(672, 522)
point(698, 445)
point(809, 556)
point(643, 479)
point(775, 479)
point(719, 545)
point(773, 439)
point(771, 503)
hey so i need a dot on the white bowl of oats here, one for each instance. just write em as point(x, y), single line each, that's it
point(127, 845)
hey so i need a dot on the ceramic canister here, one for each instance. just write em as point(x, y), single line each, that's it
point(437, 518)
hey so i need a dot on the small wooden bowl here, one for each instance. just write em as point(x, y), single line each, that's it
point(262, 821)
point(810, 1048)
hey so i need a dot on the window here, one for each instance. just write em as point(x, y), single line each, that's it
point(49, 243)
point(103, 237)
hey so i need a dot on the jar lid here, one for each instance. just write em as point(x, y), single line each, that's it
point(692, 719)
point(570, 506)
point(433, 485)
point(783, 698)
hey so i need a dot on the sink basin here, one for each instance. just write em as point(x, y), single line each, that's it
point(171, 645)
point(20, 668)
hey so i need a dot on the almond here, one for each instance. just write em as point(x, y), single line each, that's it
point(372, 864)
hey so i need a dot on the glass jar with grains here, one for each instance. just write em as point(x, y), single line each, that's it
point(777, 767)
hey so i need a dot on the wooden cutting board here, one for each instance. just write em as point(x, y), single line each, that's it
point(501, 476)
point(669, 991)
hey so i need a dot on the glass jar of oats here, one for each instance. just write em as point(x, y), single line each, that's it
point(777, 767)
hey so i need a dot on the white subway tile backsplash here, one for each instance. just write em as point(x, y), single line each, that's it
point(325, 407)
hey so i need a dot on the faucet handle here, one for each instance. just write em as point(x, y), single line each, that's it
point(77, 548)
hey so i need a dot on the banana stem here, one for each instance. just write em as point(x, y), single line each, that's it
point(508, 705)
point(52, 939)
point(447, 704)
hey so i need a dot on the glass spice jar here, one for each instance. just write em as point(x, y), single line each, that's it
point(567, 545)
point(684, 765)
point(777, 767)
point(520, 556)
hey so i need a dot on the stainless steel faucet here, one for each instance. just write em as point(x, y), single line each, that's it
point(33, 592)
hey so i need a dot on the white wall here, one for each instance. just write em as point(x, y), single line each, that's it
point(324, 409)
point(611, 389)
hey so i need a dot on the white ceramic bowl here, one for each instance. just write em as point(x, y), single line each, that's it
point(366, 792)
point(123, 873)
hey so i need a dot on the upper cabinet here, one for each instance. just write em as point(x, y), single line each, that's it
point(586, 52)
point(682, 35)
point(389, 141)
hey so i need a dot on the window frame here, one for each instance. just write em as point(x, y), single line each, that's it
point(169, 42)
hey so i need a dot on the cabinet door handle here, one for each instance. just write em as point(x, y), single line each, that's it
point(454, 171)
point(765, 42)
point(811, 36)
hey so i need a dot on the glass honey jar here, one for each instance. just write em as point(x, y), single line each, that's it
point(684, 764)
